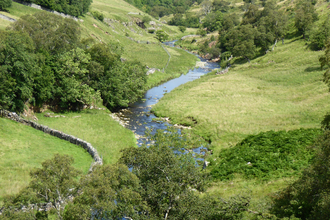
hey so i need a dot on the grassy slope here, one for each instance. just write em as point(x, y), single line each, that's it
point(23, 148)
point(96, 127)
point(281, 90)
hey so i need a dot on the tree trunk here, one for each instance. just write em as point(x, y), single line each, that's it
point(248, 59)
point(274, 45)
point(282, 40)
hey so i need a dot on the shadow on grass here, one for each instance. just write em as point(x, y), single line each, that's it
point(312, 69)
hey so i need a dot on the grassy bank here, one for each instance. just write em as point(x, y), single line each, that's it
point(282, 90)
point(95, 127)
point(22, 148)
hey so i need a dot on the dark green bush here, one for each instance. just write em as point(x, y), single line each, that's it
point(98, 15)
point(267, 155)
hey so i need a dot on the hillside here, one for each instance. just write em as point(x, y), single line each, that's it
point(97, 126)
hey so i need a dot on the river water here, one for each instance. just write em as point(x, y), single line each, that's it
point(137, 117)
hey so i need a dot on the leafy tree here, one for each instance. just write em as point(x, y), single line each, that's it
point(17, 66)
point(251, 16)
point(123, 84)
point(325, 61)
point(220, 5)
point(213, 21)
point(240, 41)
point(53, 183)
point(320, 35)
point(4, 4)
point(72, 78)
point(161, 35)
point(305, 17)
point(206, 6)
point(50, 33)
point(166, 178)
point(109, 192)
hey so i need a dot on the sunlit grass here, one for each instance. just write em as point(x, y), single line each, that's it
point(95, 127)
point(281, 90)
point(23, 148)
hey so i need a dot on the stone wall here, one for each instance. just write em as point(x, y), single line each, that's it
point(74, 140)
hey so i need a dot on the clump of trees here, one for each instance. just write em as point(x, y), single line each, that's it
point(162, 184)
point(161, 8)
point(44, 61)
point(5, 4)
point(74, 8)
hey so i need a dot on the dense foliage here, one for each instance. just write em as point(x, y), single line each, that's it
point(74, 8)
point(267, 155)
point(160, 8)
point(163, 184)
point(308, 197)
point(4, 4)
point(44, 61)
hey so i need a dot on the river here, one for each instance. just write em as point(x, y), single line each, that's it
point(137, 117)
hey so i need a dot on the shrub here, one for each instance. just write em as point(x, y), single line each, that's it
point(267, 155)
point(98, 15)
point(182, 29)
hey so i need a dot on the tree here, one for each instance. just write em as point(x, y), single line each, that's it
point(109, 192)
point(72, 78)
point(166, 178)
point(123, 84)
point(50, 33)
point(213, 21)
point(320, 35)
point(207, 6)
point(17, 67)
point(325, 61)
point(305, 17)
point(4, 4)
point(54, 183)
point(161, 35)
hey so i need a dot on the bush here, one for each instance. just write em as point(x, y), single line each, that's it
point(267, 155)
point(146, 19)
point(4, 4)
point(182, 29)
point(98, 15)
point(201, 32)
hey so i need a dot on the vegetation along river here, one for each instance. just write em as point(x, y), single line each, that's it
point(138, 116)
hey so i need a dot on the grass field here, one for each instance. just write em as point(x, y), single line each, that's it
point(23, 148)
point(95, 127)
point(281, 90)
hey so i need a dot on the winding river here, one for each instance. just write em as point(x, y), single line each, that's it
point(137, 117)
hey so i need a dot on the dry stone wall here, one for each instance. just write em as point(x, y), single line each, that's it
point(74, 140)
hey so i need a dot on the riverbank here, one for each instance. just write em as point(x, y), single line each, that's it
point(281, 90)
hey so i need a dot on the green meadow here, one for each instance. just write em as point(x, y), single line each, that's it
point(281, 90)
point(23, 148)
